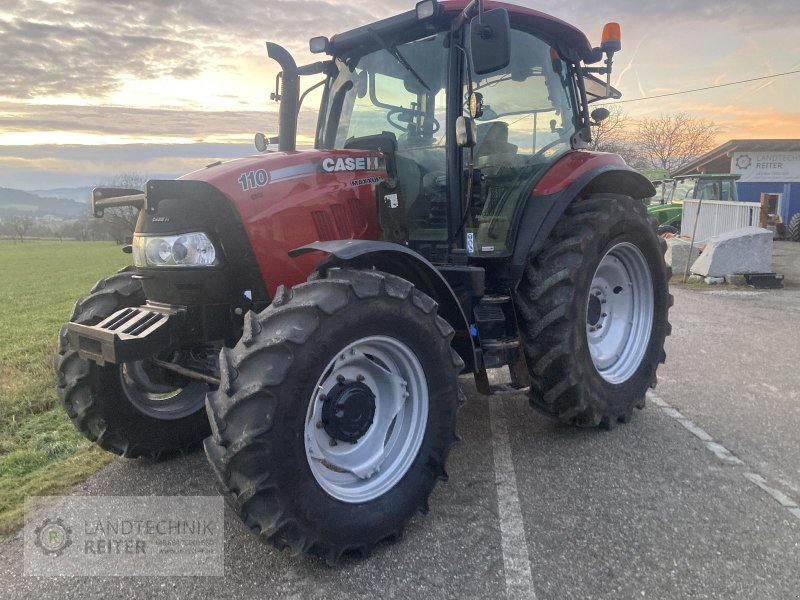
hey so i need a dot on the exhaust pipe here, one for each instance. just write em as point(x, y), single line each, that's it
point(290, 97)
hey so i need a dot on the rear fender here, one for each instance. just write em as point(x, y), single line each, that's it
point(584, 174)
point(399, 260)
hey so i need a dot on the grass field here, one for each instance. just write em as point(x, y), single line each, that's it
point(40, 451)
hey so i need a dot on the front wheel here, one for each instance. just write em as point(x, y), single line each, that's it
point(594, 306)
point(136, 408)
point(335, 413)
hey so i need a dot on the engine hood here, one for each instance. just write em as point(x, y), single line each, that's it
point(286, 200)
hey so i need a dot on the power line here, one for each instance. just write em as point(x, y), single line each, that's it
point(710, 87)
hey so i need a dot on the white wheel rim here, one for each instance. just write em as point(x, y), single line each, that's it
point(369, 468)
point(619, 313)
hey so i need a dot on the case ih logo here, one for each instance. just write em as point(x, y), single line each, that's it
point(743, 162)
point(362, 163)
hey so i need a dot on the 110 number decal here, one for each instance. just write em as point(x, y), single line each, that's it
point(253, 179)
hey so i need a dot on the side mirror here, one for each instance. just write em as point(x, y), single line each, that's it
point(490, 41)
point(263, 141)
point(319, 44)
point(599, 115)
point(426, 9)
point(466, 132)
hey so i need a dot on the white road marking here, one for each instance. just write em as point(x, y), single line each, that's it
point(782, 498)
point(771, 388)
point(724, 454)
point(516, 562)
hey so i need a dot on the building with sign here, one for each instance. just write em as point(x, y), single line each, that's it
point(765, 166)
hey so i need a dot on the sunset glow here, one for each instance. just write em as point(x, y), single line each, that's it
point(148, 82)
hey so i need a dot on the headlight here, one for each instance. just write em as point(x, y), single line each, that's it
point(185, 250)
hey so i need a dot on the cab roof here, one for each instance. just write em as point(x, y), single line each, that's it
point(570, 41)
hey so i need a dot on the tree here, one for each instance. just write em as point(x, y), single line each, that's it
point(120, 222)
point(614, 134)
point(19, 226)
point(671, 141)
point(611, 133)
point(79, 230)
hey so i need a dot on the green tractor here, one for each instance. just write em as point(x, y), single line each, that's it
point(667, 205)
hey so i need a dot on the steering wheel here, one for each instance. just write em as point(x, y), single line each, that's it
point(403, 125)
point(546, 147)
point(396, 124)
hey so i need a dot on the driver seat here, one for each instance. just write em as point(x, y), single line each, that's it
point(493, 145)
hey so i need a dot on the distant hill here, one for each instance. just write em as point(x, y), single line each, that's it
point(16, 203)
point(79, 194)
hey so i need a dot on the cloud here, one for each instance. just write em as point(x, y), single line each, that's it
point(127, 122)
point(43, 58)
point(197, 54)
point(41, 167)
point(89, 47)
point(121, 120)
point(745, 15)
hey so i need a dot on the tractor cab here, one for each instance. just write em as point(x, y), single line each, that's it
point(399, 86)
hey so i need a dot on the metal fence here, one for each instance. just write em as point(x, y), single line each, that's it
point(717, 216)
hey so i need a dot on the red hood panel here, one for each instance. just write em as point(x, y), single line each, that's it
point(289, 199)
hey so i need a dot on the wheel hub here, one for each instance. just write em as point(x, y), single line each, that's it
point(620, 312)
point(594, 311)
point(349, 411)
point(373, 394)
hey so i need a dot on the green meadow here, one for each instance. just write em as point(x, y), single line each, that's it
point(40, 451)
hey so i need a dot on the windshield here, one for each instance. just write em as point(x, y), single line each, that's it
point(400, 89)
point(399, 92)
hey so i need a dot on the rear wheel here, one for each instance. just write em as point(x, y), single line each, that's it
point(793, 231)
point(335, 413)
point(594, 306)
point(136, 408)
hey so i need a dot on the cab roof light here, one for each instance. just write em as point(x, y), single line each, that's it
point(612, 39)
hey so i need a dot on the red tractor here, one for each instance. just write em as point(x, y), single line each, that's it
point(311, 310)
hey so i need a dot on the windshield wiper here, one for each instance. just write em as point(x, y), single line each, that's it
point(393, 50)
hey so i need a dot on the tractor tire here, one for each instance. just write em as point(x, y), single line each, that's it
point(125, 408)
point(594, 306)
point(662, 229)
point(335, 413)
point(793, 230)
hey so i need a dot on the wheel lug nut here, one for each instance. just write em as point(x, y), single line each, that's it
point(604, 315)
point(359, 377)
point(340, 378)
point(333, 442)
point(320, 424)
point(323, 397)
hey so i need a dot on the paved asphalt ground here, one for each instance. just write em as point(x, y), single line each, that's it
point(696, 498)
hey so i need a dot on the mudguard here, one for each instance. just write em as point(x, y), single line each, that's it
point(577, 173)
point(403, 262)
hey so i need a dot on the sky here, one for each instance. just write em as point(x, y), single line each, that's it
point(94, 88)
